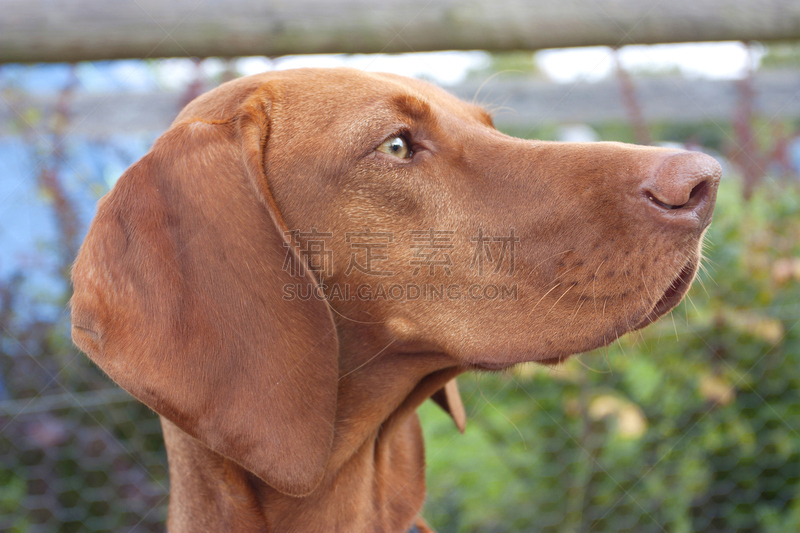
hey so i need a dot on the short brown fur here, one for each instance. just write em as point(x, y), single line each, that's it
point(297, 415)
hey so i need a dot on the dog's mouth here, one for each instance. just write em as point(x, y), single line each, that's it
point(673, 295)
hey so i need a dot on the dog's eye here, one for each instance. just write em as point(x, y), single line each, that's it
point(396, 146)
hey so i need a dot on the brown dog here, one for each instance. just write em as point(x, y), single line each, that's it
point(440, 244)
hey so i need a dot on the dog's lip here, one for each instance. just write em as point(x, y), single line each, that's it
point(669, 299)
point(553, 361)
point(491, 367)
point(673, 295)
point(544, 360)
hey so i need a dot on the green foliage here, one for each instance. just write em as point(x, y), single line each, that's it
point(508, 64)
point(781, 55)
point(689, 425)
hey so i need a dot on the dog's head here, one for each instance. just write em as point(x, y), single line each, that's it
point(580, 242)
point(426, 229)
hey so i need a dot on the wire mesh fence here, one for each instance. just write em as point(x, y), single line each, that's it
point(77, 461)
point(691, 425)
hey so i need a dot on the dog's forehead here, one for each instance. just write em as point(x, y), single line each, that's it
point(352, 84)
point(323, 95)
point(351, 89)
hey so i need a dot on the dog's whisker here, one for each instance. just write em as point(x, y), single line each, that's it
point(577, 309)
point(542, 298)
point(487, 80)
point(693, 305)
point(336, 312)
point(703, 286)
point(368, 361)
point(521, 436)
point(622, 348)
point(579, 359)
point(674, 325)
point(559, 299)
point(594, 285)
point(546, 259)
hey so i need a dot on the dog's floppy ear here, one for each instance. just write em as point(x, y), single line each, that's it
point(178, 296)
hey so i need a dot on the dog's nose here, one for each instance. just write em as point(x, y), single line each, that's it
point(683, 187)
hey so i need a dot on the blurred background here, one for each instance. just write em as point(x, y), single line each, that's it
point(689, 425)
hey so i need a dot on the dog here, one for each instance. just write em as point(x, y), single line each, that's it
point(306, 256)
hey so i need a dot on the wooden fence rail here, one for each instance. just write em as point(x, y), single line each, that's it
point(74, 30)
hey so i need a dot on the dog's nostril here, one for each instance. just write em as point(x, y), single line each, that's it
point(697, 192)
point(695, 197)
point(659, 203)
point(696, 189)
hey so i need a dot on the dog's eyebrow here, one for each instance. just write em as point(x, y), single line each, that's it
point(418, 109)
point(414, 107)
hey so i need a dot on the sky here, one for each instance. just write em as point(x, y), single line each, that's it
point(702, 60)
point(718, 60)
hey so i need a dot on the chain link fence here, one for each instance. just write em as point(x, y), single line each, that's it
point(76, 453)
point(691, 425)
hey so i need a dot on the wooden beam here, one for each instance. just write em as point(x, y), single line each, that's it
point(75, 30)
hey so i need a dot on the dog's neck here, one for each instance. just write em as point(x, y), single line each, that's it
point(375, 477)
